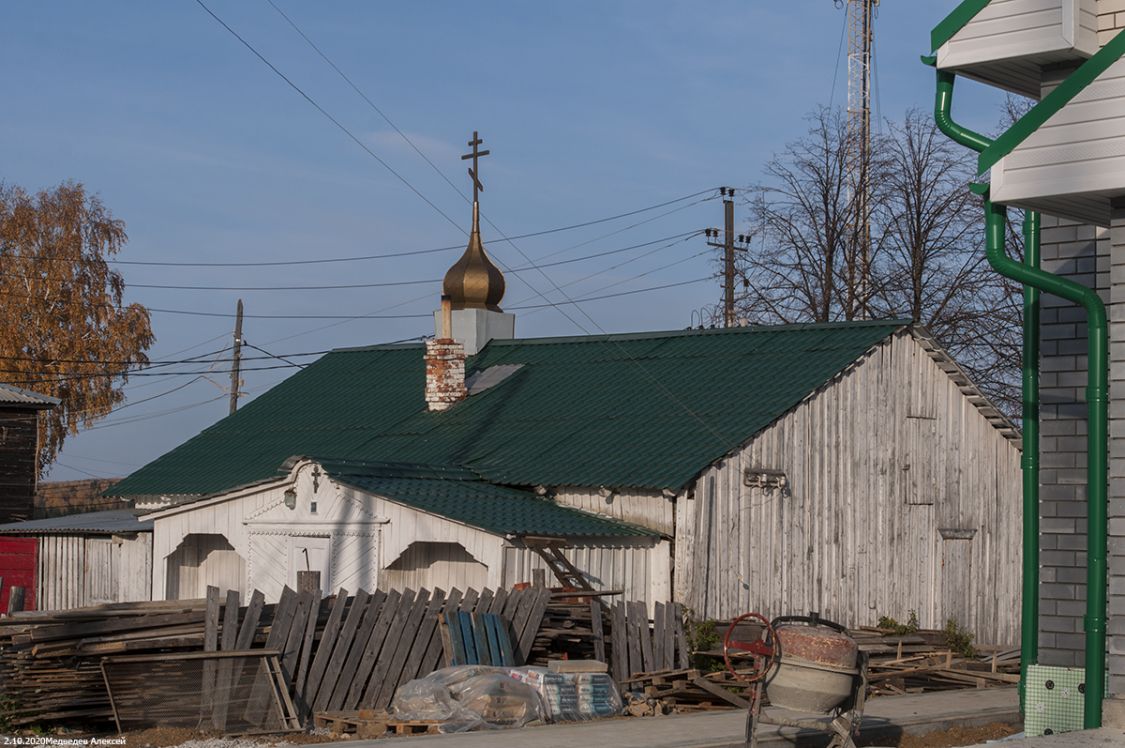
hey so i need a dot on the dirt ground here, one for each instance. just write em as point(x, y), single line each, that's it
point(957, 736)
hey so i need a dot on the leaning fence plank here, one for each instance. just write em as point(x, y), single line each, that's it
point(444, 655)
point(369, 655)
point(640, 610)
point(596, 629)
point(383, 664)
point(427, 630)
point(658, 661)
point(275, 641)
point(327, 643)
point(527, 637)
point(499, 597)
point(363, 633)
point(223, 680)
point(681, 638)
point(292, 649)
point(340, 650)
point(406, 644)
point(348, 673)
point(670, 636)
point(618, 637)
point(210, 644)
point(636, 664)
point(480, 639)
point(304, 708)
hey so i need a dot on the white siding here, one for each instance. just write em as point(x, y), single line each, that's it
point(645, 508)
point(878, 463)
point(1008, 29)
point(1078, 151)
point(78, 570)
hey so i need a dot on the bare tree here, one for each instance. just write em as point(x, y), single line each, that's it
point(806, 264)
point(928, 261)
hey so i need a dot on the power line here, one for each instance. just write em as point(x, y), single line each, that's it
point(415, 252)
point(379, 284)
point(328, 116)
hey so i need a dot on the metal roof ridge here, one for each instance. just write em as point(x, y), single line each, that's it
point(690, 332)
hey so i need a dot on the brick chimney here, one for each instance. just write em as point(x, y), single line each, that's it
point(445, 366)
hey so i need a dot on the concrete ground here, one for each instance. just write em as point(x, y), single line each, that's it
point(892, 716)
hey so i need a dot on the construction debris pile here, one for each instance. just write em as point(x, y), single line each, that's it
point(339, 661)
point(923, 661)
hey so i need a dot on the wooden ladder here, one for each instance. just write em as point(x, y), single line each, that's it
point(567, 573)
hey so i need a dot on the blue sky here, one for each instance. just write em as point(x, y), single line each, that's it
point(590, 109)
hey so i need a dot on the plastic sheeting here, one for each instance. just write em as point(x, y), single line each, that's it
point(474, 697)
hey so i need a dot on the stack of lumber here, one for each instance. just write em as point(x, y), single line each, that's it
point(684, 690)
point(921, 661)
point(49, 661)
point(340, 653)
point(573, 628)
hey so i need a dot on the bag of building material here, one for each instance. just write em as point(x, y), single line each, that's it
point(572, 697)
point(467, 697)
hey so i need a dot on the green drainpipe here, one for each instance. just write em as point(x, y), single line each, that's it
point(1029, 462)
point(1034, 280)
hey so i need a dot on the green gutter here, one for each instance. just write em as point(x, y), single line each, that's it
point(1035, 279)
point(1038, 115)
point(955, 21)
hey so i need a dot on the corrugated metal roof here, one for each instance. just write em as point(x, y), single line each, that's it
point(11, 395)
point(647, 410)
point(462, 497)
point(109, 522)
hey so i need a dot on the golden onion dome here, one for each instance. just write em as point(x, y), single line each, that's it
point(474, 282)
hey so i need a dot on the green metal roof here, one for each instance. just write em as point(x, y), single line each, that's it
point(646, 410)
point(463, 497)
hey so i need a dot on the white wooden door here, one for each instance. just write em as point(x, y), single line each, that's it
point(311, 554)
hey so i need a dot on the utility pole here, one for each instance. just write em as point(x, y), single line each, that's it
point(861, 38)
point(236, 359)
point(729, 247)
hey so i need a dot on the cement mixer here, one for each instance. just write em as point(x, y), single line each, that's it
point(808, 668)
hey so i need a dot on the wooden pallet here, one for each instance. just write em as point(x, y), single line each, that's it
point(415, 726)
point(364, 723)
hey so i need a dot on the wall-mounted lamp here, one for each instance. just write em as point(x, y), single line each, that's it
point(290, 496)
point(767, 479)
point(606, 493)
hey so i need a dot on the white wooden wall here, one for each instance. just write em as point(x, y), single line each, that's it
point(202, 561)
point(79, 570)
point(435, 565)
point(1007, 29)
point(878, 464)
point(645, 508)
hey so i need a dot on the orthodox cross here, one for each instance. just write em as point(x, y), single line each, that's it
point(473, 171)
point(316, 478)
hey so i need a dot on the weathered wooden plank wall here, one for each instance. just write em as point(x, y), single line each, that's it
point(79, 570)
point(649, 509)
point(19, 446)
point(878, 464)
